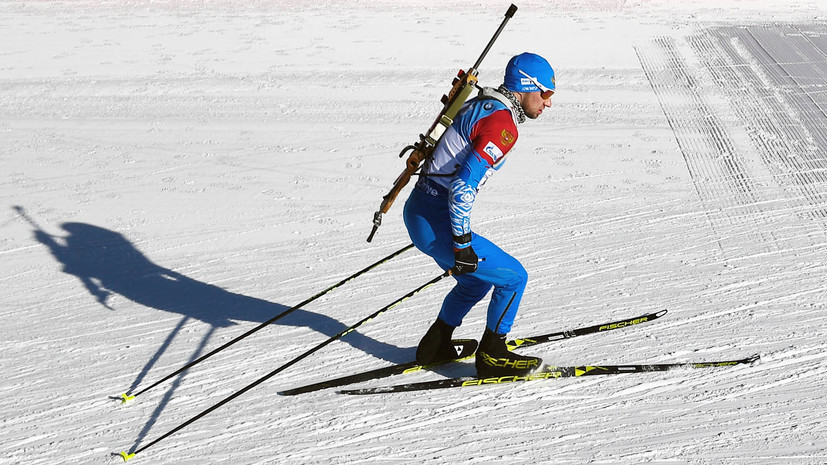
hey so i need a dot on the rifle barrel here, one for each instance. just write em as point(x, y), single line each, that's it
point(508, 15)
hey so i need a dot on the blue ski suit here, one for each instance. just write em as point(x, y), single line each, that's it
point(439, 208)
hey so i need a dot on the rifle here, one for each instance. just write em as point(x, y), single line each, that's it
point(463, 85)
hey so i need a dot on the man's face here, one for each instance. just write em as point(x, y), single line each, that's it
point(533, 104)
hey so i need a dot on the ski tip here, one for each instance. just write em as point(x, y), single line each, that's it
point(126, 456)
point(126, 398)
point(661, 313)
point(753, 359)
point(300, 390)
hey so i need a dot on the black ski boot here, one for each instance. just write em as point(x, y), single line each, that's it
point(495, 360)
point(437, 345)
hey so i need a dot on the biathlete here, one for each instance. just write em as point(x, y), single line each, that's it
point(438, 216)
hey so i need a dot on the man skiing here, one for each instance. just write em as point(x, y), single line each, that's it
point(437, 216)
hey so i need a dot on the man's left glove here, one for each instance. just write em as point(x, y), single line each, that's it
point(465, 259)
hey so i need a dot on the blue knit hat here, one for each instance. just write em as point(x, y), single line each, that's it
point(525, 71)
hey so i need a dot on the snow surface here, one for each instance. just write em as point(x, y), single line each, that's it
point(176, 173)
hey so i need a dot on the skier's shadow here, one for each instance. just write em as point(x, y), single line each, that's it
point(107, 263)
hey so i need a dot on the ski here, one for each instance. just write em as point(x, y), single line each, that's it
point(465, 349)
point(547, 372)
point(411, 367)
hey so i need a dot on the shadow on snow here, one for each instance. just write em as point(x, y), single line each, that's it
point(107, 263)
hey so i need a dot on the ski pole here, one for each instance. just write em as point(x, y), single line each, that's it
point(128, 455)
point(127, 396)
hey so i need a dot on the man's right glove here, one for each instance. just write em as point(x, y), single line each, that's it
point(465, 259)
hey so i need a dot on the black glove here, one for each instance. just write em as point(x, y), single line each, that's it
point(465, 259)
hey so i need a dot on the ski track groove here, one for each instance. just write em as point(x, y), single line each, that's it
point(745, 69)
point(722, 180)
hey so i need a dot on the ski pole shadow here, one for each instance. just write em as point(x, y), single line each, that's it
point(107, 263)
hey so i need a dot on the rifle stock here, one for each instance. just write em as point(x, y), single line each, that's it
point(463, 85)
point(413, 163)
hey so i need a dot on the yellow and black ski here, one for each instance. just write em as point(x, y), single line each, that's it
point(411, 367)
point(548, 372)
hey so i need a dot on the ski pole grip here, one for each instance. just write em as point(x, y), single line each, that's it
point(511, 10)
